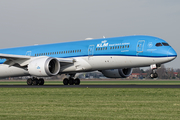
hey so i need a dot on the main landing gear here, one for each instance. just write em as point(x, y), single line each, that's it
point(35, 81)
point(71, 81)
point(154, 73)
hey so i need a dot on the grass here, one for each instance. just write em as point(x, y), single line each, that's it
point(89, 104)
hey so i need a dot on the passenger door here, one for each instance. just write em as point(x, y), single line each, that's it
point(140, 47)
point(91, 50)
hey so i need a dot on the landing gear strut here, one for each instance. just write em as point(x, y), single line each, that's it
point(35, 81)
point(71, 81)
point(154, 73)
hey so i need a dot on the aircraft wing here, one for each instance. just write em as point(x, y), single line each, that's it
point(9, 56)
point(23, 60)
point(11, 60)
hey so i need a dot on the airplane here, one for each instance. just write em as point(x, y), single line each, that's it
point(114, 57)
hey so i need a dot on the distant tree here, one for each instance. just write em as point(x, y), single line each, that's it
point(137, 70)
point(170, 73)
point(162, 73)
point(148, 71)
point(178, 71)
point(142, 71)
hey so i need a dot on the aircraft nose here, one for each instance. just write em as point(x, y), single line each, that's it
point(171, 54)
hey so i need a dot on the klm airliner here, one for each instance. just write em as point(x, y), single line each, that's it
point(114, 57)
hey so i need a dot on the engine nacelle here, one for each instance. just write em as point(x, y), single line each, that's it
point(117, 73)
point(44, 66)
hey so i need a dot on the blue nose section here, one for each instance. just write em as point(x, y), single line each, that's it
point(171, 53)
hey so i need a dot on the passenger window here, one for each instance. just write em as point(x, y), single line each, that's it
point(158, 44)
point(165, 44)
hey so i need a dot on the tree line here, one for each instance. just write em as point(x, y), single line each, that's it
point(163, 72)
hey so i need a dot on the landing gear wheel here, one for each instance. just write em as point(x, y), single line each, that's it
point(41, 81)
point(65, 81)
point(77, 81)
point(153, 75)
point(29, 81)
point(71, 81)
point(35, 82)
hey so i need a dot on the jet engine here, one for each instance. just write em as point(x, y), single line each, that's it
point(117, 73)
point(44, 66)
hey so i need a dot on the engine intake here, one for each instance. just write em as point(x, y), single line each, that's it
point(44, 66)
point(117, 73)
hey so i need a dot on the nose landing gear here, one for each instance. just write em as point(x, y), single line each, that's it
point(154, 73)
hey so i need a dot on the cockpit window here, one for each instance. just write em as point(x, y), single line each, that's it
point(158, 44)
point(165, 44)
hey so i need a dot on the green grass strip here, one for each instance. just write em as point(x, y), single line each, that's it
point(89, 104)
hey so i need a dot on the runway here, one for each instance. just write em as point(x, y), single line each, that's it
point(90, 86)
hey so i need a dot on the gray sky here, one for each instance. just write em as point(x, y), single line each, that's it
point(29, 22)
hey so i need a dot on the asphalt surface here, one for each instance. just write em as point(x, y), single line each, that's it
point(90, 86)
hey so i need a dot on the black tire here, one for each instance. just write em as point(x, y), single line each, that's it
point(152, 75)
point(71, 81)
point(65, 81)
point(41, 81)
point(77, 81)
point(29, 81)
point(35, 82)
point(155, 75)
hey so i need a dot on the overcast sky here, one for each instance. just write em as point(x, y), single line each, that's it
point(29, 22)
